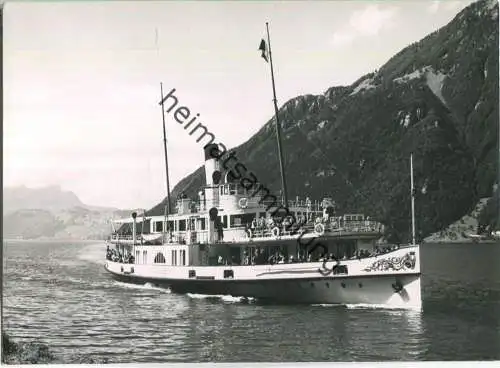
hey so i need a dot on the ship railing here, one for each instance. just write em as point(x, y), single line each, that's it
point(356, 226)
point(118, 238)
point(351, 227)
point(124, 237)
point(178, 237)
point(307, 206)
point(257, 202)
point(182, 237)
point(312, 206)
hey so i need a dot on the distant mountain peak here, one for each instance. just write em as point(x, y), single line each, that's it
point(51, 197)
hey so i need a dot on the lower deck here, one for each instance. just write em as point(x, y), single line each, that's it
point(403, 260)
point(388, 279)
point(279, 251)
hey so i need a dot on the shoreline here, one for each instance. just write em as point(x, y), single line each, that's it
point(15, 353)
point(57, 240)
point(462, 241)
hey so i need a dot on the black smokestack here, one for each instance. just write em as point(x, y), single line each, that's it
point(211, 151)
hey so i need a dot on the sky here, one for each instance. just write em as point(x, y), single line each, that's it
point(82, 80)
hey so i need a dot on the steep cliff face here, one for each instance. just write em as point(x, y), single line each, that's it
point(437, 99)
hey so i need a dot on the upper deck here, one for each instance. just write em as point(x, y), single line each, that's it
point(246, 216)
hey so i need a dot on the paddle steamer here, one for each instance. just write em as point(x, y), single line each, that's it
point(226, 243)
point(233, 240)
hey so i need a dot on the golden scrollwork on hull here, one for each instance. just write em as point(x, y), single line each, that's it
point(406, 262)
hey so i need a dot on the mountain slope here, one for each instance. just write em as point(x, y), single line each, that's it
point(50, 212)
point(437, 98)
point(47, 198)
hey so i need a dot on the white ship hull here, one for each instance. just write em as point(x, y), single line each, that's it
point(382, 280)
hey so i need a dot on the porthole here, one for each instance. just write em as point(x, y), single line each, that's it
point(312, 284)
point(327, 285)
point(343, 285)
point(360, 285)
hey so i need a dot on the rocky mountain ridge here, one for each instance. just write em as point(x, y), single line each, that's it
point(51, 213)
point(437, 99)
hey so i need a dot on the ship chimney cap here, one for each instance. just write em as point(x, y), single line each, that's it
point(212, 150)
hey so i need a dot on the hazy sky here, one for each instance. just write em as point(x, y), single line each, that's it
point(81, 80)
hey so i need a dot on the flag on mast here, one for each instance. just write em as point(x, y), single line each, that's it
point(263, 49)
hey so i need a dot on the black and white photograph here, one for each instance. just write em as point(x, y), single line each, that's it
point(250, 182)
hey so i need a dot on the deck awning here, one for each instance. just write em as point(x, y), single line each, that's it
point(129, 220)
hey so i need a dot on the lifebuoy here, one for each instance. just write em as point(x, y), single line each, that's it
point(319, 229)
point(276, 231)
point(243, 202)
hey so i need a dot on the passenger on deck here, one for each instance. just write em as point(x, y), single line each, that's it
point(255, 258)
point(261, 223)
point(270, 223)
point(287, 222)
point(261, 257)
point(300, 220)
point(220, 231)
point(253, 226)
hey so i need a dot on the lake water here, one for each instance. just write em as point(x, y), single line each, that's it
point(58, 293)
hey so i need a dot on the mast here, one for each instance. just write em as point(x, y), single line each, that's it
point(498, 184)
point(142, 227)
point(134, 232)
point(278, 128)
point(412, 202)
point(167, 208)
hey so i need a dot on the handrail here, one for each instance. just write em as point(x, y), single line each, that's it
point(330, 228)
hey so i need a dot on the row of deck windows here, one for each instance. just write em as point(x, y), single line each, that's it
point(234, 221)
point(178, 258)
point(181, 225)
point(144, 256)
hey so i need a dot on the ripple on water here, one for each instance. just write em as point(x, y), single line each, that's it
point(61, 295)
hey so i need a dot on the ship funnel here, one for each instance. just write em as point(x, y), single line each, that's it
point(213, 173)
